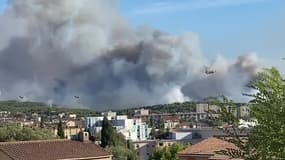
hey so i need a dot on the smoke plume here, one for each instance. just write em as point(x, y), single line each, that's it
point(53, 50)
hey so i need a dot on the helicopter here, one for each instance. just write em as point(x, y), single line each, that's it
point(208, 71)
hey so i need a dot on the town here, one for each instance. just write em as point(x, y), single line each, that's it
point(147, 128)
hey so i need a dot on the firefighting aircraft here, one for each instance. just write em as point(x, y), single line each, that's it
point(208, 71)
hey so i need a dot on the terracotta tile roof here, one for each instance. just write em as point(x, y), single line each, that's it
point(208, 146)
point(51, 150)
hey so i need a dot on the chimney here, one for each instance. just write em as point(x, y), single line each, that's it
point(84, 136)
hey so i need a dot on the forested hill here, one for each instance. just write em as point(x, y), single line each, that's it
point(16, 107)
point(36, 107)
point(163, 108)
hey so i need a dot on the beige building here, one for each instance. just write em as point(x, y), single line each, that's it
point(170, 122)
point(70, 132)
point(53, 150)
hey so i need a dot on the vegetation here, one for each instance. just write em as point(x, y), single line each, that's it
point(27, 108)
point(167, 153)
point(60, 130)
point(266, 140)
point(164, 108)
point(116, 143)
point(13, 132)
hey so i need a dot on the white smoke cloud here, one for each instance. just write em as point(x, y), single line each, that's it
point(52, 50)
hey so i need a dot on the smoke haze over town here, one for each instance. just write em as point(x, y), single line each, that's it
point(53, 50)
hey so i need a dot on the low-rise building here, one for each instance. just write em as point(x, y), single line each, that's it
point(180, 135)
point(206, 150)
point(132, 129)
point(170, 122)
point(53, 150)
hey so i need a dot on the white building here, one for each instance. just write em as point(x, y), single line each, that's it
point(142, 112)
point(72, 116)
point(132, 129)
point(110, 115)
point(181, 135)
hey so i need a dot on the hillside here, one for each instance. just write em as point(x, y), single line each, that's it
point(16, 107)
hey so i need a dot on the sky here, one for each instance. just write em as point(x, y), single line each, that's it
point(122, 64)
point(225, 27)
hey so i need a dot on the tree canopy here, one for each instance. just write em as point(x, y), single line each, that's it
point(266, 140)
point(13, 132)
point(167, 153)
point(60, 130)
point(116, 142)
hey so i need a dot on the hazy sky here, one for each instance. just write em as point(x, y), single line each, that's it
point(124, 64)
point(225, 27)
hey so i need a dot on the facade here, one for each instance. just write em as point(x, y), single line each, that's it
point(142, 112)
point(181, 135)
point(206, 150)
point(170, 122)
point(53, 150)
point(109, 114)
point(70, 132)
point(132, 129)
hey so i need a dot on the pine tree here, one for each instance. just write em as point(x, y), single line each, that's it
point(60, 130)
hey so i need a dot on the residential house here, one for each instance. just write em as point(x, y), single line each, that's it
point(170, 122)
point(53, 150)
point(206, 150)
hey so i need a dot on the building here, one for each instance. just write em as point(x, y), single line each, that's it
point(110, 115)
point(53, 150)
point(72, 116)
point(146, 148)
point(170, 122)
point(206, 150)
point(176, 135)
point(142, 112)
point(70, 132)
point(132, 129)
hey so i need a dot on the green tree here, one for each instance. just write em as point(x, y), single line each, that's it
point(266, 140)
point(13, 132)
point(167, 153)
point(60, 130)
point(116, 143)
point(42, 123)
point(107, 133)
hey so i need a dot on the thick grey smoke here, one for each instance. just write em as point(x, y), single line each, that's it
point(51, 50)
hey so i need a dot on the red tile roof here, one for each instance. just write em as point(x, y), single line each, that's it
point(51, 150)
point(208, 146)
